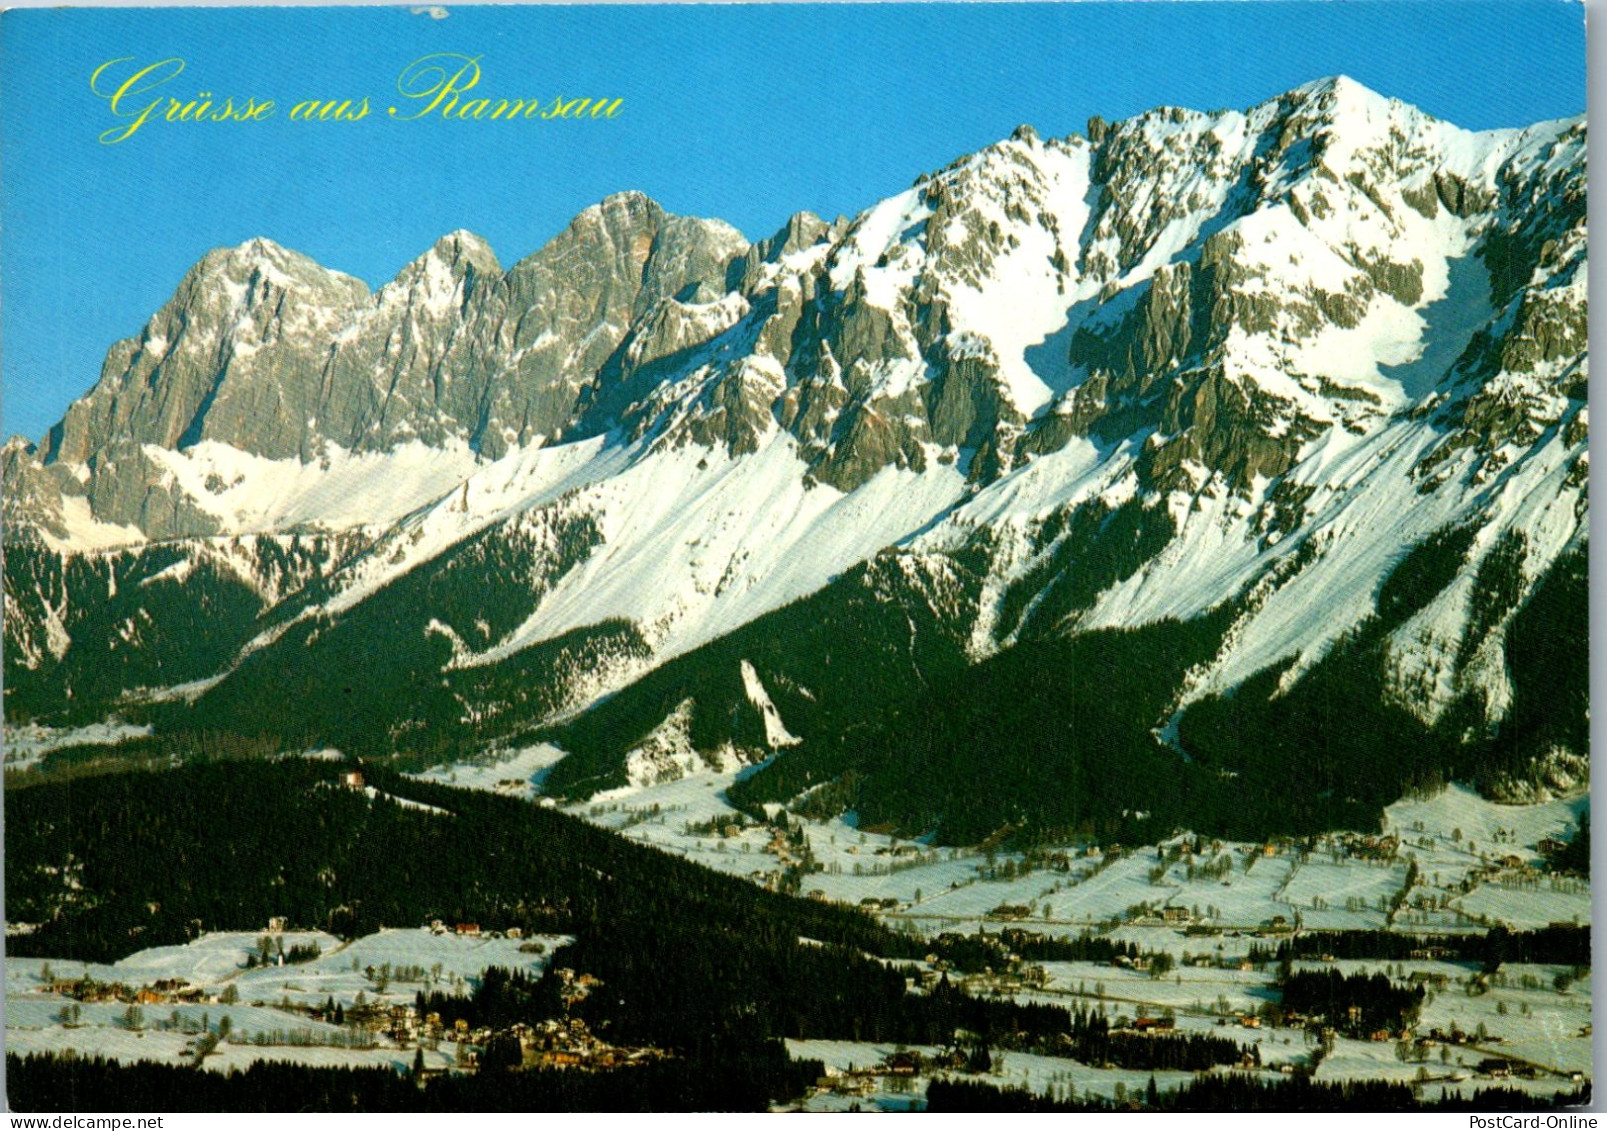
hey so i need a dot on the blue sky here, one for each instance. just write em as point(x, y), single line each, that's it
point(748, 113)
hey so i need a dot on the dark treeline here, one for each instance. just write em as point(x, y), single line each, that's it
point(1561, 945)
point(750, 1079)
point(502, 998)
point(1086, 947)
point(1351, 1003)
point(1092, 1042)
point(970, 954)
point(1061, 757)
point(44, 1082)
point(1575, 856)
point(759, 1076)
point(1243, 1092)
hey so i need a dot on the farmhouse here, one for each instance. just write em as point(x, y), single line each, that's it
point(1154, 1025)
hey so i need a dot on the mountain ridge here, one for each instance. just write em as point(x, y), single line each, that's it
point(1184, 368)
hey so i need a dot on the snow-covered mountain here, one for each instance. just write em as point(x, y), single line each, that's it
point(1294, 396)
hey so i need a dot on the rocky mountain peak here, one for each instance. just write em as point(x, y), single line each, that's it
point(1231, 284)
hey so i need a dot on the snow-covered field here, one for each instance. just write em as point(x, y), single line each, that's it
point(117, 1042)
point(1455, 838)
point(1525, 905)
point(26, 744)
point(517, 773)
point(1460, 817)
point(210, 960)
point(386, 968)
point(218, 960)
point(1524, 1009)
point(417, 960)
point(1186, 989)
point(1350, 894)
point(1041, 1074)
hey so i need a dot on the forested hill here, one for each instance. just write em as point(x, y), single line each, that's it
point(707, 967)
point(225, 845)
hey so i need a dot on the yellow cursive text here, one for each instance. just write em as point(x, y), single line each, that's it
point(128, 100)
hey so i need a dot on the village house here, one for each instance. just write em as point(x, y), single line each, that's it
point(353, 779)
point(402, 1024)
point(903, 1063)
point(852, 1084)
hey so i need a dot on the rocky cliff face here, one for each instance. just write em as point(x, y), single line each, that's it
point(1224, 368)
point(265, 352)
